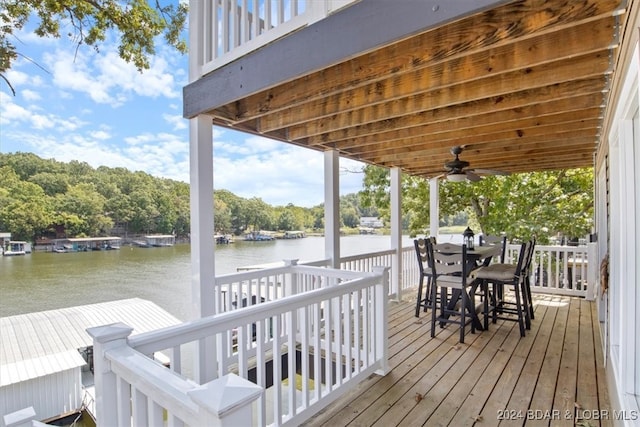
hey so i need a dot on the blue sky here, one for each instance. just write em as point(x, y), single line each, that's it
point(76, 104)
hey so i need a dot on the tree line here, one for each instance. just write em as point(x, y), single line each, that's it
point(537, 204)
point(44, 197)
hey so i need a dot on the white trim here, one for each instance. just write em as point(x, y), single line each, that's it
point(624, 296)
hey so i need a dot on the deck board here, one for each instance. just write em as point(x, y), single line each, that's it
point(556, 367)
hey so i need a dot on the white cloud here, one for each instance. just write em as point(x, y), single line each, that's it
point(279, 173)
point(67, 115)
point(30, 95)
point(108, 79)
point(101, 135)
point(176, 121)
point(17, 116)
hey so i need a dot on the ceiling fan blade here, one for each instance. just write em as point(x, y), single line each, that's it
point(490, 172)
point(472, 176)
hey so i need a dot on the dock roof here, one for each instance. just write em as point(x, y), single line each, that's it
point(30, 339)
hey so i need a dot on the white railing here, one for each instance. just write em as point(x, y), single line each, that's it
point(289, 356)
point(561, 270)
point(555, 269)
point(229, 29)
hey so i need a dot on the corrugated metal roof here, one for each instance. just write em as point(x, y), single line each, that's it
point(27, 339)
point(23, 370)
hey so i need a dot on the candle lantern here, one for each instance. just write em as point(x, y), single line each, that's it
point(468, 238)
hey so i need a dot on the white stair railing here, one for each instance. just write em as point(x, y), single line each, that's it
point(276, 363)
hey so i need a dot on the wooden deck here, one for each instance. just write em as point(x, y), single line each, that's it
point(552, 377)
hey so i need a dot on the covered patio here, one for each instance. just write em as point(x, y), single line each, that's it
point(523, 85)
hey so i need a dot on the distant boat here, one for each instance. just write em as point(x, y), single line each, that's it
point(259, 236)
point(296, 234)
point(223, 239)
point(85, 244)
point(16, 247)
point(161, 240)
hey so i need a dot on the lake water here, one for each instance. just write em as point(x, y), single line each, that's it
point(45, 281)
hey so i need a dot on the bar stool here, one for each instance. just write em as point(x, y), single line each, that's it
point(500, 276)
point(426, 278)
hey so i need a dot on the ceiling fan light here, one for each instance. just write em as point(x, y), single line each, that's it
point(457, 177)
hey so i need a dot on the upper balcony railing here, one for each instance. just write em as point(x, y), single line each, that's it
point(228, 29)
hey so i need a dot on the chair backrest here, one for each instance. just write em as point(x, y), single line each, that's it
point(530, 249)
point(448, 259)
point(422, 253)
point(489, 240)
point(523, 255)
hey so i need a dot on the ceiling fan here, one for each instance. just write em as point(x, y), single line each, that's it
point(457, 172)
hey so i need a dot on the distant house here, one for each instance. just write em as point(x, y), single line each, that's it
point(371, 222)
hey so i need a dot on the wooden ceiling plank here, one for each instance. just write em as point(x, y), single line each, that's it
point(535, 164)
point(516, 122)
point(436, 152)
point(497, 159)
point(488, 142)
point(514, 20)
point(505, 59)
point(573, 69)
point(512, 101)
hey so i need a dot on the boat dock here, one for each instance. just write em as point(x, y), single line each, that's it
point(46, 358)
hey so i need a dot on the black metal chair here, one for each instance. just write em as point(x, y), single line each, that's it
point(448, 264)
point(500, 276)
point(426, 279)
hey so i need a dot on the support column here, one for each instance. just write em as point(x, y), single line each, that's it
point(396, 232)
point(332, 207)
point(202, 242)
point(203, 299)
point(434, 207)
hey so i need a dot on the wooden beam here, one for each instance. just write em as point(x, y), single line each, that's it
point(576, 68)
point(487, 146)
point(485, 64)
point(509, 102)
point(480, 31)
point(515, 129)
point(362, 27)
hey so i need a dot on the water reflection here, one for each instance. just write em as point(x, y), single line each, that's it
point(45, 281)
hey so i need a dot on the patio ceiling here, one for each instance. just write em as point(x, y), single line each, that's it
point(522, 85)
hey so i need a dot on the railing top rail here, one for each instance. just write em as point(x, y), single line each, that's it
point(368, 255)
point(194, 330)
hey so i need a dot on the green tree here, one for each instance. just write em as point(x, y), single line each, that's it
point(136, 24)
point(25, 209)
point(83, 207)
point(520, 205)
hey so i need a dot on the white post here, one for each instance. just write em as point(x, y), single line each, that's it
point(226, 401)
point(203, 298)
point(332, 208)
point(593, 269)
point(106, 338)
point(381, 319)
point(434, 207)
point(20, 418)
point(291, 279)
point(396, 232)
